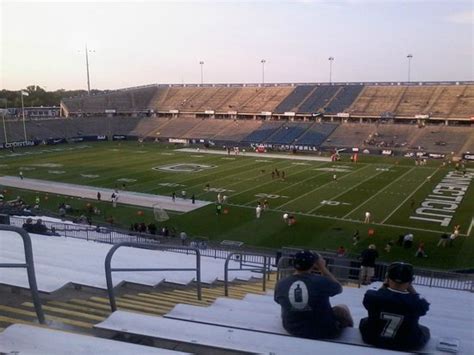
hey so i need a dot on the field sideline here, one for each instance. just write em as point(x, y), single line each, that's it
point(327, 211)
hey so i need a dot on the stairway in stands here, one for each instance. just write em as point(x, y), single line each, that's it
point(79, 309)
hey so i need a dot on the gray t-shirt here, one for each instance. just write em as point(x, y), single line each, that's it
point(305, 308)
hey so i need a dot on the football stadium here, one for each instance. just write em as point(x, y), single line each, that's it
point(171, 217)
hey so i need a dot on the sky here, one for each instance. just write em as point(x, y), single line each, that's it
point(145, 42)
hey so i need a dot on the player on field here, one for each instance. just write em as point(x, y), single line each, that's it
point(367, 217)
point(394, 311)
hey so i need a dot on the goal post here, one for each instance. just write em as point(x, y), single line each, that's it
point(159, 213)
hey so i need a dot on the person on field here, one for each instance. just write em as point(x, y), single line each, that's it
point(367, 217)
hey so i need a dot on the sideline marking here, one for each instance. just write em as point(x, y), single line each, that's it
point(408, 197)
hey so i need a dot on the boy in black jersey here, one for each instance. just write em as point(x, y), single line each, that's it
point(394, 311)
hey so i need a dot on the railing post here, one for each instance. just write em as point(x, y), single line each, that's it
point(264, 284)
point(30, 269)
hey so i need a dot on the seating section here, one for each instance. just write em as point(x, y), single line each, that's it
point(393, 136)
point(376, 100)
point(448, 100)
point(263, 132)
point(349, 135)
point(318, 99)
point(237, 130)
point(445, 139)
point(465, 104)
point(27, 339)
point(60, 261)
point(256, 319)
point(208, 128)
point(288, 133)
point(344, 98)
point(122, 101)
point(316, 134)
point(292, 101)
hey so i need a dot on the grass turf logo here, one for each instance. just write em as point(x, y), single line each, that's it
point(184, 168)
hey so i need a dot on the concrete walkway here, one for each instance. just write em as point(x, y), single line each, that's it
point(90, 192)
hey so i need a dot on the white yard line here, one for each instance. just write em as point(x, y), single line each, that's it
point(319, 187)
point(347, 190)
point(90, 192)
point(470, 227)
point(408, 197)
point(373, 196)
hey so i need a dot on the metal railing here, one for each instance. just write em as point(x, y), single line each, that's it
point(29, 265)
point(109, 269)
point(247, 265)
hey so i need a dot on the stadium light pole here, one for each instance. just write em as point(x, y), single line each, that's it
point(202, 71)
point(3, 116)
point(87, 51)
point(409, 56)
point(331, 59)
point(23, 113)
point(263, 61)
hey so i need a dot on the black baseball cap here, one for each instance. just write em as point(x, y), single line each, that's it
point(400, 272)
point(304, 260)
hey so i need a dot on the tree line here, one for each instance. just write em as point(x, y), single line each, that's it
point(37, 96)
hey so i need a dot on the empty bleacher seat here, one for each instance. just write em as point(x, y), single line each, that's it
point(27, 339)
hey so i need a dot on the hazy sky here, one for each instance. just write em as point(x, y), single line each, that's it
point(147, 42)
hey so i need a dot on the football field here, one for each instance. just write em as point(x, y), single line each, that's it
point(328, 200)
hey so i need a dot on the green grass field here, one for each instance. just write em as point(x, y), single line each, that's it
point(327, 212)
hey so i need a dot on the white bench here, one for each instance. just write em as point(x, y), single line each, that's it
point(27, 339)
point(224, 337)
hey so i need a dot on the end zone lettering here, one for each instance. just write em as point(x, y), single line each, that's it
point(440, 206)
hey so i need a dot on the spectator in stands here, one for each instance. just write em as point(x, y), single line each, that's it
point(367, 264)
point(304, 299)
point(39, 227)
point(28, 225)
point(394, 311)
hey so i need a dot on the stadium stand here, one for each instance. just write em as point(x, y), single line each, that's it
point(444, 139)
point(447, 101)
point(415, 101)
point(392, 136)
point(316, 134)
point(46, 341)
point(288, 133)
point(208, 128)
point(263, 132)
point(237, 130)
point(465, 105)
point(349, 135)
point(318, 98)
point(344, 98)
point(446, 319)
point(376, 100)
point(292, 101)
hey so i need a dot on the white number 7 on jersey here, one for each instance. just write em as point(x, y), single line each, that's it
point(393, 323)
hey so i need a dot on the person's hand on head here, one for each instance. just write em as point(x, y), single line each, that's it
point(320, 263)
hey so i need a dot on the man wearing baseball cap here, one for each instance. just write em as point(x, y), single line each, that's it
point(394, 311)
point(304, 299)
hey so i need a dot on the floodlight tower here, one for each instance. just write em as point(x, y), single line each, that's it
point(331, 59)
point(202, 71)
point(263, 61)
point(409, 56)
point(87, 51)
